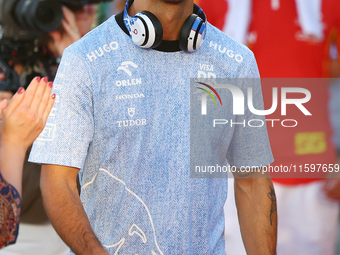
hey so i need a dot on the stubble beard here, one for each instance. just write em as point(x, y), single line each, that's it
point(173, 1)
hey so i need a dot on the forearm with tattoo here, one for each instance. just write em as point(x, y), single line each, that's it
point(272, 198)
point(256, 206)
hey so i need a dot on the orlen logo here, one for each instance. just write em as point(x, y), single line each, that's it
point(125, 65)
point(102, 50)
point(239, 102)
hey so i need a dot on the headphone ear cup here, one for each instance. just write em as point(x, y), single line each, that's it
point(190, 33)
point(153, 31)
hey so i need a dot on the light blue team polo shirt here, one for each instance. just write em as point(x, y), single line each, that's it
point(122, 117)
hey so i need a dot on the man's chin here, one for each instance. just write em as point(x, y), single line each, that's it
point(173, 1)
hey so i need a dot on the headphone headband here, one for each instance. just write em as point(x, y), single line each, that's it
point(198, 10)
point(146, 30)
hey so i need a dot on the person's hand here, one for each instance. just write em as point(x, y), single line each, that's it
point(5, 95)
point(26, 115)
point(3, 105)
point(85, 18)
point(71, 33)
point(332, 185)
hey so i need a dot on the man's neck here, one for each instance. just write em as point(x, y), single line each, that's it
point(171, 15)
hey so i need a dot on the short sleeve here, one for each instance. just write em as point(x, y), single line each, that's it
point(10, 209)
point(250, 143)
point(69, 128)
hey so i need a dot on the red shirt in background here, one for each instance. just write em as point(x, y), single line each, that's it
point(282, 50)
point(215, 10)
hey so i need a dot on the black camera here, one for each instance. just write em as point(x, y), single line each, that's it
point(27, 19)
point(22, 24)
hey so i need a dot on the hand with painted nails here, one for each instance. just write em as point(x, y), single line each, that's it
point(22, 121)
point(26, 115)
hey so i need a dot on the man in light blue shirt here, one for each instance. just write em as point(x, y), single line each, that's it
point(122, 121)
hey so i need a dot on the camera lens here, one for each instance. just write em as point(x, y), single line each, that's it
point(46, 14)
point(39, 15)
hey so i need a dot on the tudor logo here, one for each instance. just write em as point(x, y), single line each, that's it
point(125, 65)
point(131, 122)
point(131, 111)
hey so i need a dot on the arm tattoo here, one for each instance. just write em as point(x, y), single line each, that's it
point(272, 197)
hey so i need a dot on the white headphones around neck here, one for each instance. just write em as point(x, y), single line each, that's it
point(146, 30)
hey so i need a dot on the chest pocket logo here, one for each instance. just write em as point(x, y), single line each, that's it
point(125, 67)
